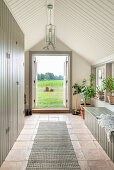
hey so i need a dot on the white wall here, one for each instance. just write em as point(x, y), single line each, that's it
point(81, 69)
point(113, 70)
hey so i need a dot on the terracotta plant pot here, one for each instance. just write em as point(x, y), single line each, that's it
point(111, 99)
point(101, 96)
point(46, 88)
point(82, 109)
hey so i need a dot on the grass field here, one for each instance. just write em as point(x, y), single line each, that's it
point(50, 99)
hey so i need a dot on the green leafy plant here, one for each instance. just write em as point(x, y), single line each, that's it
point(77, 89)
point(108, 84)
point(100, 90)
point(88, 91)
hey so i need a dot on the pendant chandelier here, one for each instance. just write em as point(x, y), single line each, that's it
point(50, 38)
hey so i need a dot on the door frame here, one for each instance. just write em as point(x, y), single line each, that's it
point(49, 53)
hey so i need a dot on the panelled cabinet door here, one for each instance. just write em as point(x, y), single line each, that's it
point(4, 124)
point(11, 104)
point(13, 116)
point(20, 86)
point(1, 95)
point(9, 89)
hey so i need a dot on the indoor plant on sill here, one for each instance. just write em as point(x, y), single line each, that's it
point(77, 90)
point(100, 92)
point(108, 85)
point(88, 92)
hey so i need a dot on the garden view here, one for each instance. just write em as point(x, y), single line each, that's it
point(50, 91)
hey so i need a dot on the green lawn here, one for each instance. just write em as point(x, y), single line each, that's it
point(50, 99)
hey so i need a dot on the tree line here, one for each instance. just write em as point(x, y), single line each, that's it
point(48, 76)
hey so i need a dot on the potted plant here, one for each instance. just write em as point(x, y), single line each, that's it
point(108, 85)
point(77, 90)
point(100, 92)
point(88, 92)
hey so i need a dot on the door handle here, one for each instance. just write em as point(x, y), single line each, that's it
point(17, 83)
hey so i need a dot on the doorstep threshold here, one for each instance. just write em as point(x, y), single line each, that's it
point(50, 110)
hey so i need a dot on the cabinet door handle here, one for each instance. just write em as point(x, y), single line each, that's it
point(17, 83)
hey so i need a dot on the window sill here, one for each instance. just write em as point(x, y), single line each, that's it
point(99, 103)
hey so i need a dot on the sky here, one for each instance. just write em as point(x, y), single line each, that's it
point(52, 64)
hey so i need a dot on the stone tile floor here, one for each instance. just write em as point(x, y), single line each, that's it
point(89, 153)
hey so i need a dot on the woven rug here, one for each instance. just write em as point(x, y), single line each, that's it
point(52, 148)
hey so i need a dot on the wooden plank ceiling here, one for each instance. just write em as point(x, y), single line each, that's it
point(86, 26)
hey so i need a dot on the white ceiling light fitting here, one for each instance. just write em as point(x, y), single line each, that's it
point(50, 38)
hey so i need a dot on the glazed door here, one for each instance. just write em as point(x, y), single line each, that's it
point(34, 82)
point(66, 82)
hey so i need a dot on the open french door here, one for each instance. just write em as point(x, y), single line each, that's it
point(34, 81)
point(66, 82)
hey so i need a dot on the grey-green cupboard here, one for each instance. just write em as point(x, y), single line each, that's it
point(11, 80)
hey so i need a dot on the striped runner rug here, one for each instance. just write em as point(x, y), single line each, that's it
point(52, 148)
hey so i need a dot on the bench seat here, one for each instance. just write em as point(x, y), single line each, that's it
point(98, 132)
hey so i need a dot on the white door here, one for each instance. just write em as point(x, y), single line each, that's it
point(34, 82)
point(66, 83)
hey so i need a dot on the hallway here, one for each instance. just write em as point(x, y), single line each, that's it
point(88, 152)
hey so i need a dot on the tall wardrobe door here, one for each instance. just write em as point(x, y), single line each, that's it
point(12, 93)
point(1, 94)
point(20, 87)
point(14, 121)
point(9, 87)
point(4, 124)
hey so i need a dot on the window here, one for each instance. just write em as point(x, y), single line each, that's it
point(100, 75)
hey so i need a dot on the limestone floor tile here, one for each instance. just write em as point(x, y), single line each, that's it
point(100, 164)
point(104, 154)
point(97, 145)
point(69, 126)
point(83, 131)
point(93, 138)
point(88, 151)
point(29, 126)
point(35, 131)
point(79, 154)
point(93, 154)
point(14, 165)
point(84, 137)
point(87, 144)
point(27, 131)
point(43, 118)
point(78, 124)
point(68, 123)
point(53, 119)
point(64, 118)
point(110, 163)
point(29, 122)
point(25, 137)
point(84, 165)
point(43, 115)
point(73, 137)
point(37, 125)
point(61, 119)
point(54, 116)
point(76, 144)
point(18, 155)
point(81, 126)
point(23, 145)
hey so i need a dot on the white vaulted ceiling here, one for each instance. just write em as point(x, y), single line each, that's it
point(86, 26)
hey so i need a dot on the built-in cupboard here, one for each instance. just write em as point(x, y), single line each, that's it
point(11, 80)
